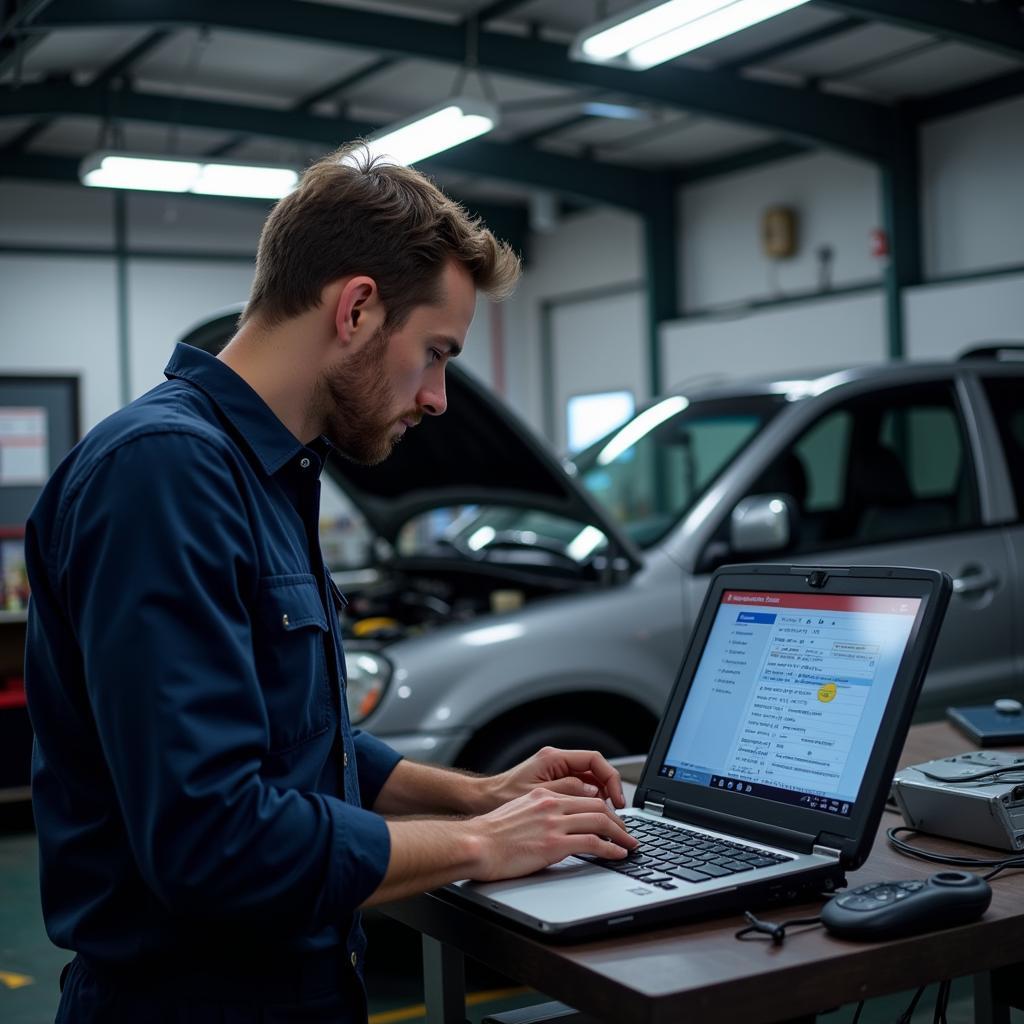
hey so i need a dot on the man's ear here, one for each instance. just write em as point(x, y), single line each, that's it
point(357, 310)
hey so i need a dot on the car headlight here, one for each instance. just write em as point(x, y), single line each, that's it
point(368, 676)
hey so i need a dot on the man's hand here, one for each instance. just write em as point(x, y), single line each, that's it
point(542, 828)
point(581, 773)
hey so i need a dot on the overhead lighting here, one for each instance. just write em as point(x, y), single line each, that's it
point(441, 127)
point(656, 32)
point(616, 111)
point(144, 173)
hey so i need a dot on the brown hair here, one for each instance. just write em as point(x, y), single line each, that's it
point(356, 214)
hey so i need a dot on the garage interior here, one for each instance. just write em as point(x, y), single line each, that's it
point(841, 185)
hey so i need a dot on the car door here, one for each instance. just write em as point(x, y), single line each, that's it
point(888, 477)
point(1005, 396)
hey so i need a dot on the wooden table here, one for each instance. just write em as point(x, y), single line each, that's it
point(699, 971)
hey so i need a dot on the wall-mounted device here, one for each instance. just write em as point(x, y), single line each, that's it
point(779, 232)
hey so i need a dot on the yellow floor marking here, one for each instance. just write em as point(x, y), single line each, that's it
point(11, 980)
point(473, 999)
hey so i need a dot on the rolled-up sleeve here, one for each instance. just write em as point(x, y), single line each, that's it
point(376, 762)
point(157, 566)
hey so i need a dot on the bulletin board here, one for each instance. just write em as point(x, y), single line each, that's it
point(39, 424)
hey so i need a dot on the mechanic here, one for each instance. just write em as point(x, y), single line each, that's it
point(209, 823)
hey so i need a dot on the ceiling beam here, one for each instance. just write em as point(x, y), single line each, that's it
point(123, 64)
point(994, 27)
point(854, 126)
point(605, 183)
point(14, 44)
point(744, 160)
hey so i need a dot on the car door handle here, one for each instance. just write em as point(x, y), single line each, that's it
point(975, 580)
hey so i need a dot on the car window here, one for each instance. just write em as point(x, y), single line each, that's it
point(651, 471)
point(1006, 395)
point(886, 466)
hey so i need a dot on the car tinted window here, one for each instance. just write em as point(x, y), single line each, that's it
point(651, 471)
point(1006, 394)
point(886, 466)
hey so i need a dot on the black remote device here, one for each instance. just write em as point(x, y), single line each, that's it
point(889, 910)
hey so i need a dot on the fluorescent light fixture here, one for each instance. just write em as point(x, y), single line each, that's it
point(441, 127)
point(656, 32)
point(145, 173)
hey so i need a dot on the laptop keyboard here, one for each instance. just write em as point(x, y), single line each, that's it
point(669, 854)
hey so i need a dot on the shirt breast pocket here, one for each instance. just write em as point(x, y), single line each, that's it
point(289, 638)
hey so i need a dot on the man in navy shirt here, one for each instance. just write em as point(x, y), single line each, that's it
point(209, 822)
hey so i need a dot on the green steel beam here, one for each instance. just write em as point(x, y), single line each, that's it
point(605, 183)
point(817, 35)
point(551, 129)
point(854, 126)
point(661, 252)
point(956, 101)
point(995, 27)
point(901, 217)
point(508, 222)
point(744, 160)
point(15, 45)
point(496, 9)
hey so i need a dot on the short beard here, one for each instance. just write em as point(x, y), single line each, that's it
point(356, 402)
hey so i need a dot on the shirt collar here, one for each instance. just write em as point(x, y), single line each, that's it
point(268, 438)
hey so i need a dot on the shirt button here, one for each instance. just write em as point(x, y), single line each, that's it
point(353, 958)
point(285, 620)
point(304, 463)
point(344, 758)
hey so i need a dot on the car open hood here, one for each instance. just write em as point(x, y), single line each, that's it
point(478, 453)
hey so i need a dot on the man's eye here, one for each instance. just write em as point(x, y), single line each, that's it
point(435, 355)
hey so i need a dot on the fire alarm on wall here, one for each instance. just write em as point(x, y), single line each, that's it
point(779, 232)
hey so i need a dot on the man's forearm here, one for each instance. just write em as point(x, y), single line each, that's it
point(427, 789)
point(426, 854)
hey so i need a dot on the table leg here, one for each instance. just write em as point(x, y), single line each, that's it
point(444, 983)
point(989, 1008)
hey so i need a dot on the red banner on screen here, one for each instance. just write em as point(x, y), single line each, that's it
point(823, 602)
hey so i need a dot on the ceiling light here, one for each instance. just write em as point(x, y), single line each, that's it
point(441, 127)
point(110, 169)
point(616, 111)
point(656, 32)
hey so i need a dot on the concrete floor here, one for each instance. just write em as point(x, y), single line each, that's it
point(30, 965)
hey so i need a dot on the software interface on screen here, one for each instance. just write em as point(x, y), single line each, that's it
point(789, 695)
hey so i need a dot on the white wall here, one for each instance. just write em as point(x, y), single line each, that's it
point(973, 190)
point(594, 250)
point(818, 334)
point(943, 321)
point(836, 200)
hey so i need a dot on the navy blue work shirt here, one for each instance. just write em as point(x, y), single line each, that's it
point(197, 785)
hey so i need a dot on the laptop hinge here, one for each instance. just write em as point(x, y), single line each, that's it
point(654, 808)
point(826, 851)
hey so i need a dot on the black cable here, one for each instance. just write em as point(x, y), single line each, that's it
point(858, 1012)
point(908, 1013)
point(776, 932)
point(997, 863)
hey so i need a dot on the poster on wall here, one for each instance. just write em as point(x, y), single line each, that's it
point(24, 439)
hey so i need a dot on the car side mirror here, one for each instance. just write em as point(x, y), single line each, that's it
point(761, 522)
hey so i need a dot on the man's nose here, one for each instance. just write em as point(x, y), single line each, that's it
point(432, 399)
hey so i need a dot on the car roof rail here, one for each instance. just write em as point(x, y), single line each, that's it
point(1008, 351)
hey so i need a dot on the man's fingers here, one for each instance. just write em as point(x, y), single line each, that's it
point(602, 825)
point(590, 761)
point(572, 786)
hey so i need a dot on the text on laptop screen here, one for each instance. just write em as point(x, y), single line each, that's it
point(789, 694)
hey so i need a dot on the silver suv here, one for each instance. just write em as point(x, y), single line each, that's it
point(515, 599)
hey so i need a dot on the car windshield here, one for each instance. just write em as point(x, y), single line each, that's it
point(645, 475)
point(648, 473)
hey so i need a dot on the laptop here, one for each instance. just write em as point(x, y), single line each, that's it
point(771, 764)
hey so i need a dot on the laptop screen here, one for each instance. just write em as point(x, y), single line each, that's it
point(789, 694)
